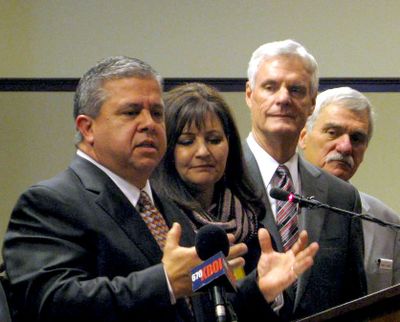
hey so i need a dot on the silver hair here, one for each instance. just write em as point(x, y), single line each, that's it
point(345, 97)
point(90, 95)
point(284, 47)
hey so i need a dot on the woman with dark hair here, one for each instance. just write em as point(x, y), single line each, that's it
point(203, 170)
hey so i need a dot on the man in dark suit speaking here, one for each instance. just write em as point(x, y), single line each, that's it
point(280, 93)
point(95, 243)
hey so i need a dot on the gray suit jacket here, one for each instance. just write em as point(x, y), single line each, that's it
point(382, 245)
point(337, 275)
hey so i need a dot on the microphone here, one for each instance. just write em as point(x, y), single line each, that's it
point(283, 195)
point(311, 203)
point(214, 275)
point(211, 239)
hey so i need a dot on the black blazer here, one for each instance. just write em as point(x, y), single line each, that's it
point(76, 249)
point(337, 275)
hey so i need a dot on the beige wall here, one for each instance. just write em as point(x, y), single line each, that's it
point(56, 38)
point(36, 141)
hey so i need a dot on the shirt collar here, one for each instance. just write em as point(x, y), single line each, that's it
point(129, 190)
point(268, 165)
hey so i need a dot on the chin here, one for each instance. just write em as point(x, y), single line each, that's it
point(146, 165)
point(341, 174)
point(202, 184)
point(285, 130)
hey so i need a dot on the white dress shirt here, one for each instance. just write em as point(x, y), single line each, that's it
point(268, 166)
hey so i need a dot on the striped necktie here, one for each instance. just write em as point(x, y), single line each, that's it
point(153, 219)
point(286, 211)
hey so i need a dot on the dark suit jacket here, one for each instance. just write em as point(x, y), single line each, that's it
point(77, 250)
point(5, 315)
point(337, 275)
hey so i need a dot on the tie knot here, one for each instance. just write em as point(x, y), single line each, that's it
point(144, 200)
point(282, 171)
point(282, 179)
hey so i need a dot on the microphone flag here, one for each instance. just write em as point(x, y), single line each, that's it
point(213, 271)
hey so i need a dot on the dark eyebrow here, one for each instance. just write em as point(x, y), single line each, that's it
point(360, 132)
point(213, 131)
point(132, 105)
point(186, 133)
point(136, 106)
point(157, 105)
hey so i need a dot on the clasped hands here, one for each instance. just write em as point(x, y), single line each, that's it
point(276, 271)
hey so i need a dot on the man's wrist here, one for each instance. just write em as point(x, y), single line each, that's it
point(170, 290)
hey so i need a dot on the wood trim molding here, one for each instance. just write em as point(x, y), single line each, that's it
point(222, 84)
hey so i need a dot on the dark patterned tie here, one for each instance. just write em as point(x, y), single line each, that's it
point(157, 225)
point(286, 211)
point(153, 219)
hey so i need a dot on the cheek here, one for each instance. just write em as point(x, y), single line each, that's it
point(324, 154)
point(161, 131)
point(358, 156)
point(115, 139)
point(360, 152)
point(182, 159)
point(126, 132)
point(317, 150)
point(163, 143)
point(259, 102)
point(303, 114)
point(325, 147)
point(223, 157)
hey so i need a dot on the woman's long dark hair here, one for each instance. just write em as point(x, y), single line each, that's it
point(189, 104)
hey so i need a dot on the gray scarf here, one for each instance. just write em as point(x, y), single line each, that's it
point(228, 214)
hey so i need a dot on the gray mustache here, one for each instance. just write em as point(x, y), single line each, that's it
point(340, 157)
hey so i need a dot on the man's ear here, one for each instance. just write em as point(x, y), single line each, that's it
point(249, 92)
point(84, 124)
point(303, 139)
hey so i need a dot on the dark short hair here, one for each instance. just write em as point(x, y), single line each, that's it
point(89, 94)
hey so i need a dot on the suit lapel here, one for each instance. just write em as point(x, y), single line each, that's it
point(312, 185)
point(311, 219)
point(118, 207)
point(121, 210)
